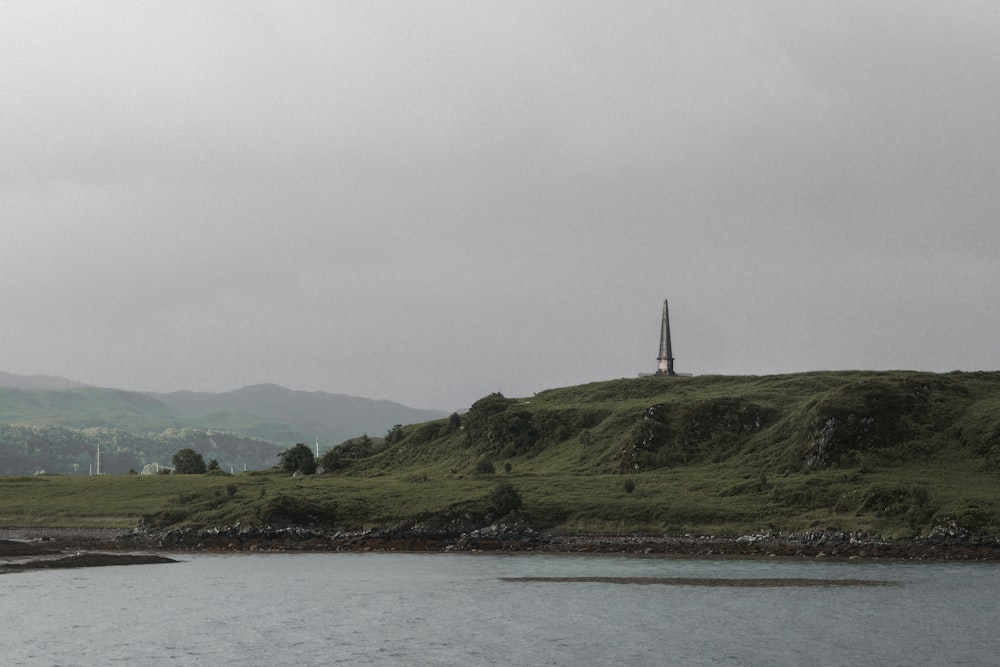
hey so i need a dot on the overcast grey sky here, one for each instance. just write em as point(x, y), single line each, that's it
point(430, 201)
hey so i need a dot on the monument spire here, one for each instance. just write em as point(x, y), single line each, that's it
point(666, 358)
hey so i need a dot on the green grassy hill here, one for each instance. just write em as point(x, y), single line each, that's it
point(896, 453)
point(772, 425)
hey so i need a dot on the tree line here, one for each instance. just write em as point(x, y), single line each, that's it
point(298, 459)
point(25, 450)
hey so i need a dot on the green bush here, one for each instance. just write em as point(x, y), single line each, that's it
point(331, 460)
point(188, 462)
point(504, 499)
point(484, 467)
point(298, 459)
point(497, 425)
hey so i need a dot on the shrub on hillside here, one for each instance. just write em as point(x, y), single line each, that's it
point(504, 499)
point(188, 462)
point(496, 425)
point(359, 448)
point(332, 460)
point(484, 467)
point(298, 459)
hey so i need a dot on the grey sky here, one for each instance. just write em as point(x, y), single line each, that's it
point(430, 201)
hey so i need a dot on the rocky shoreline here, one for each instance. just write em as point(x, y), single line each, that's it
point(946, 543)
point(20, 556)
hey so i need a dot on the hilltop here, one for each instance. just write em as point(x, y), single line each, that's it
point(770, 425)
point(902, 452)
point(896, 454)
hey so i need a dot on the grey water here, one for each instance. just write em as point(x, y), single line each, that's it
point(457, 609)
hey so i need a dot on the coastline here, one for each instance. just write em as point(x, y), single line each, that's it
point(49, 544)
point(21, 556)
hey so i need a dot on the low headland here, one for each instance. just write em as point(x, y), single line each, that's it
point(864, 465)
point(37, 548)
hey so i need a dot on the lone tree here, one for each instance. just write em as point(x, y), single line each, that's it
point(504, 499)
point(188, 462)
point(331, 460)
point(298, 459)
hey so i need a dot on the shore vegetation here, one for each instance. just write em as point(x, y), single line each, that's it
point(897, 454)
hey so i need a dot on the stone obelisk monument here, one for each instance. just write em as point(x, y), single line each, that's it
point(666, 358)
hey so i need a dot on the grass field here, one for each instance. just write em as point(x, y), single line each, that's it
point(893, 503)
point(893, 453)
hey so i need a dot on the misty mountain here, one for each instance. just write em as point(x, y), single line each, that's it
point(266, 412)
point(36, 381)
point(281, 415)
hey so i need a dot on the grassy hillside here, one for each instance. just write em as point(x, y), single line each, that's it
point(772, 425)
point(897, 453)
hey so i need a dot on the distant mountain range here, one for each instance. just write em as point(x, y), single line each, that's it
point(54, 424)
point(277, 414)
point(36, 381)
point(265, 411)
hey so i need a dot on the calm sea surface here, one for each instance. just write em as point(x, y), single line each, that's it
point(454, 609)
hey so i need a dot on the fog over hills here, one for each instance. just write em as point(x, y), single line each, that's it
point(282, 415)
point(36, 381)
point(266, 411)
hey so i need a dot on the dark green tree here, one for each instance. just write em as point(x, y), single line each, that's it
point(331, 460)
point(213, 464)
point(298, 459)
point(357, 448)
point(484, 467)
point(188, 462)
point(504, 499)
point(497, 425)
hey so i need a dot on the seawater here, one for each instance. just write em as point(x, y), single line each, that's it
point(456, 609)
